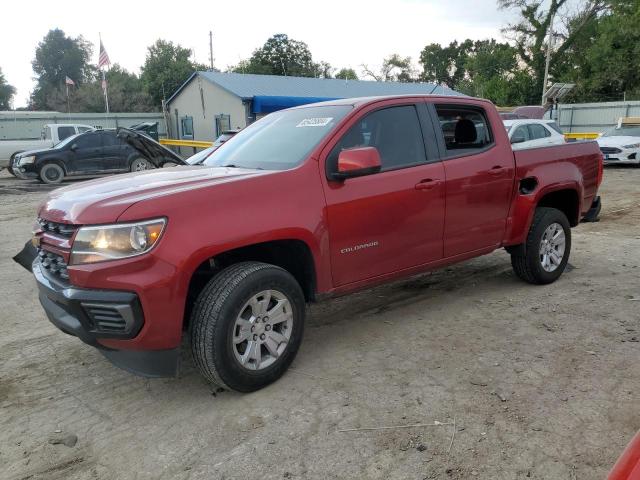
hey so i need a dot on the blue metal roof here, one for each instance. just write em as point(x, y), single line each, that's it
point(247, 86)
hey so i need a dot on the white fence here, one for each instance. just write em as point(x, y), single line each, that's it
point(28, 125)
point(594, 117)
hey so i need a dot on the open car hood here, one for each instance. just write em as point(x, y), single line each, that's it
point(157, 154)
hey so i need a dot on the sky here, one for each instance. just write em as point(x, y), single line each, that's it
point(345, 33)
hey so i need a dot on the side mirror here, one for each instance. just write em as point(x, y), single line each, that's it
point(518, 139)
point(74, 147)
point(357, 162)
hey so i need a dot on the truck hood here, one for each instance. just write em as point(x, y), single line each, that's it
point(36, 151)
point(104, 200)
point(149, 148)
point(617, 141)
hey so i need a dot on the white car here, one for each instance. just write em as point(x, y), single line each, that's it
point(530, 133)
point(621, 145)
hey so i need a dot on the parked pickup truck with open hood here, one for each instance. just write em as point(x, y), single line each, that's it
point(306, 203)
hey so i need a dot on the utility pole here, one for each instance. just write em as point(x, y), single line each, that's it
point(211, 48)
point(546, 66)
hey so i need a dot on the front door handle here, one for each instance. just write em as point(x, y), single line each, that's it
point(427, 184)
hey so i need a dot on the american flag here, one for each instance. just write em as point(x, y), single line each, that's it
point(68, 81)
point(103, 59)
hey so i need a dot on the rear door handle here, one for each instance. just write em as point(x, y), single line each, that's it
point(427, 184)
point(497, 170)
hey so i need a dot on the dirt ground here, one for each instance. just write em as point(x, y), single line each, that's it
point(541, 382)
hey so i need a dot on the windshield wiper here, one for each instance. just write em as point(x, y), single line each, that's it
point(240, 166)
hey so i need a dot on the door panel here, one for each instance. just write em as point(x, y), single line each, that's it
point(87, 157)
point(112, 153)
point(479, 188)
point(386, 222)
point(392, 220)
point(479, 174)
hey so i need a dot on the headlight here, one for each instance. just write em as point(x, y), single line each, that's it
point(26, 160)
point(635, 145)
point(113, 242)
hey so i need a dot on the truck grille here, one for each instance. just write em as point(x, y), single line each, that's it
point(610, 150)
point(106, 318)
point(53, 263)
point(62, 229)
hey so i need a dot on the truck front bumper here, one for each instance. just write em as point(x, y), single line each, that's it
point(93, 315)
point(24, 174)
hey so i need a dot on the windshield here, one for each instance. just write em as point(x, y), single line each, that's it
point(67, 141)
point(200, 156)
point(222, 138)
point(279, 141)
point(624, 131)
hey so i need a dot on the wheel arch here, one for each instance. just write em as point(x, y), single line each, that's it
point(566, 200)
point(564, 197)
point(292, 254)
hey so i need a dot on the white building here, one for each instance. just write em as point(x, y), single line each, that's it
point(209, 103)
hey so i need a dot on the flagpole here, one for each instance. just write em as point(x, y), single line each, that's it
point(106, 95)
point(68, 104)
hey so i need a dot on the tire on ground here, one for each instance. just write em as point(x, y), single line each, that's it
point(140, 164)
point(51, 173)
point(213, 323)
point(526, 261)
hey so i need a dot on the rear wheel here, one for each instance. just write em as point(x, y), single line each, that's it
point(246, 326)
point(51, 173)
point(140, 164)
point(545, 254)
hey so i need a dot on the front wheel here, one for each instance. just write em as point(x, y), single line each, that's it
point(545, 254)
point(246, 326)
point(51, 173)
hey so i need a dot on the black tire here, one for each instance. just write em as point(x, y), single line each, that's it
point(213, 324)
point(51, 173)
point(526, 260)
point(140, 164)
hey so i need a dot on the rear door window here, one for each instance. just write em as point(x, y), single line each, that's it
point(465, 129)
point(89, 140)
point(110, 139)
point(521, 132)
point(554, 126)
point(537, 131)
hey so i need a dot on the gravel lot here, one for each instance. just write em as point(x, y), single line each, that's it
point(541, 382)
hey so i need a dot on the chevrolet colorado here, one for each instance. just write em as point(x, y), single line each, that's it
point(306, 203)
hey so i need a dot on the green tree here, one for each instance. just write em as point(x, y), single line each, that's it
point(603, 62)
point(530, 33)
point(58, 56)
point(6, 93)
point(126, 94)
point(347, 74)
point(482, 68)
point(445, 65)
point(394, 69)
point(166, 67)
point(281, 55)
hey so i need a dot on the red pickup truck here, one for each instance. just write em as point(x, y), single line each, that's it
point(304, 204)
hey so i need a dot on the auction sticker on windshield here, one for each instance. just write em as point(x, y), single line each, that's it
point(315, 122)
